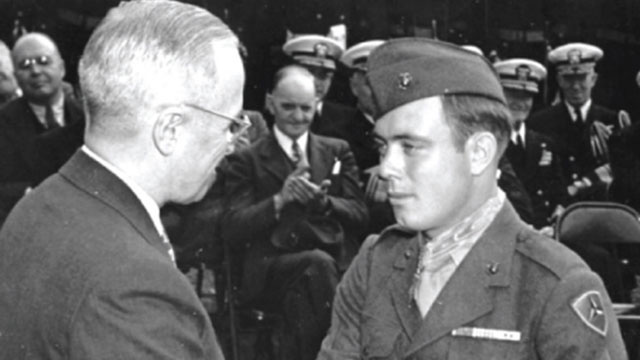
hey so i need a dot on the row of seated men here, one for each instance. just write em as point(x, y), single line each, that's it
point(295, 202)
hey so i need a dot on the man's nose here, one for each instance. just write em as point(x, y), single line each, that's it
point(390, 164)
point(298, 114)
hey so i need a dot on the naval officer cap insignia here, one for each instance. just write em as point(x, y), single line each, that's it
point(590, 310)
point(404, 70)
point(520, 74)
point(575, 58)
point(356, 56)
point(314, 50)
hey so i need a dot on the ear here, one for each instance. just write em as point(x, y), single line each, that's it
point(167, 130)
point(594, 78)
point(482, 148)
point(268, 103)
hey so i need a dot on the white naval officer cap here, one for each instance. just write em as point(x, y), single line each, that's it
point(575, 58)
point(520, 74)
point(314, 50)
point(356, 56)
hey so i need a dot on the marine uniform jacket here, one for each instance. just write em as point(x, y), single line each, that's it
point(514, 283)
point(577, 157)
point(254, 175)
point(538, 168)
point(85, 275)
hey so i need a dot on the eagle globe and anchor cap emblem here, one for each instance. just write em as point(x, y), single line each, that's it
point(404, 80)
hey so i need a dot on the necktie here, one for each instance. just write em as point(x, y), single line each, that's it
point(50, 118)
point(578, 124)
point(519, 141)
point(296, 153)
point(578, 112)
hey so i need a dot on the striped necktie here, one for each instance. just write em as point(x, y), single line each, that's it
point(50, 118)
point(296, 153)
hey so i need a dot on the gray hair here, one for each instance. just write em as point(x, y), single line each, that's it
point(6, 64)
point(146, 54)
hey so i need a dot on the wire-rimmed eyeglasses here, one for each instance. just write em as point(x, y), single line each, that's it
point(239, 125)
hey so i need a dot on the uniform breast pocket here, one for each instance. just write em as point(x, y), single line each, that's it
point(463, 348)
point(379, 337)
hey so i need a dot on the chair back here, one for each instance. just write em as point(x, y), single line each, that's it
point(607, 236)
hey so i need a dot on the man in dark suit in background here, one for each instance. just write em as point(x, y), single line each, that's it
point(88, 272)
point(295, 213)
point(580, 127)
point(533, 155)
point(39, 70)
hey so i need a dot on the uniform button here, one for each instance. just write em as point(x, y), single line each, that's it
point(493, 268)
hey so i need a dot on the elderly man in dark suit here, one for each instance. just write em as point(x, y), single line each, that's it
point(296, 210)
point(39, 70)
point(461, 277)
point(87, 270)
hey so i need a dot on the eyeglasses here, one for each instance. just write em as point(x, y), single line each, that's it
point(239, 125)
point(42, 60)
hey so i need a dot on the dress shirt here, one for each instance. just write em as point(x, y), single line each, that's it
point(286, 143)
point(520, 132)
point(58, 111)
point(584, 109)
point(147, 201)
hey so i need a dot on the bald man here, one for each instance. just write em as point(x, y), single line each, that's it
point(291, 186)
point(39, 71)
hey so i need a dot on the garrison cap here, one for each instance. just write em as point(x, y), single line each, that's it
point(314, 50)
point(575, 58)
point(404, 70)
point(356, 56)
point(520, 74)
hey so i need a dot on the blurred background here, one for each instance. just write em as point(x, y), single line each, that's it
point(501, 28)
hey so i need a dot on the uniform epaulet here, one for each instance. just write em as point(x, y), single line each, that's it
point(547, 252)
point(395, 232)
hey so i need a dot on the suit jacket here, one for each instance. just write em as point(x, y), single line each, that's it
point(86, 276)
point(574, 147)
point(255, 175)
point(353, 127)
point(21, 163)
point(539, 169)
point(333, 120)
point(515, 190)
point(512, 279)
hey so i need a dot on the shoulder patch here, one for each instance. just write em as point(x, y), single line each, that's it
point(590, 310)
